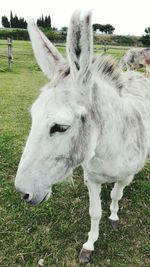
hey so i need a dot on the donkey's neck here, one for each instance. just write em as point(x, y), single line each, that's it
point(106, 69)
point(107, 114)
point(107, 107)
point(115, 119)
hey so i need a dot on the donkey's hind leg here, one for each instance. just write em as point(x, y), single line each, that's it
point(116, 195)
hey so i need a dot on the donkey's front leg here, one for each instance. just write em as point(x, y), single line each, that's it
point(95, 214)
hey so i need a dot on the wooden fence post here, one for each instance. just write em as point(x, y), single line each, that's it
point(10, 57)
point(105, 47)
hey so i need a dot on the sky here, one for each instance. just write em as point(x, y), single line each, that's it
point(129, 17)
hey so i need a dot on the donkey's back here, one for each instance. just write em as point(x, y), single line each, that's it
point(137, 90)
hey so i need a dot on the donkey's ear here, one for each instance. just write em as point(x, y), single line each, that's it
point(46, 54)
point(80, 46)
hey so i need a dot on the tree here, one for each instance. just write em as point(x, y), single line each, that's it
point(16, 22)
point(48, 21)
point(22, 23)
point(64, 29)
point(5, 22)
point(147, 30)
point(44, 22)
point(145, 39)
point(11, 19)
point(54, 29)
point(96, 26)
point(108, 29)
point(104, 28)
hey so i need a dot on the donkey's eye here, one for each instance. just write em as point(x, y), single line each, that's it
point(57, 128)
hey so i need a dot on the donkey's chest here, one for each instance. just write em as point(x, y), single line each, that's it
point(102, 171)
point(111, 169)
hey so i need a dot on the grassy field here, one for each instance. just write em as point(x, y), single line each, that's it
point(56, 230)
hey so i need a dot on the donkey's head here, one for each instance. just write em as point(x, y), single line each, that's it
point(59, 139)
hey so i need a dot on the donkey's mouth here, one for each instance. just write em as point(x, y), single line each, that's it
point(46, 196)
point(35, 202)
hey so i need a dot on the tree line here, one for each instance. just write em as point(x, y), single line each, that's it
point(16, 22)
point(20, 23)
point(103, 28)
point(45, 22)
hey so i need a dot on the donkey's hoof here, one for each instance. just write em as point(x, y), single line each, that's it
point(114, 224)
point(85, 255)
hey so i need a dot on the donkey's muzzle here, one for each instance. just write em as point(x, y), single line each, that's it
point(33, 197)
point(27, 197)
point(34, 201)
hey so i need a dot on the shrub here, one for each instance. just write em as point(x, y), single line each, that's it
point(145, 39)
point(16, 34)
point(117, 40)
point(20, 34)
point(59, 36)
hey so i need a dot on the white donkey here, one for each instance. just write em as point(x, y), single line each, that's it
point(91, 114)
point(136, 57)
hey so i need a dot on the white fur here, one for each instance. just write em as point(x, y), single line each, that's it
point(107, 115)
point(46, 54)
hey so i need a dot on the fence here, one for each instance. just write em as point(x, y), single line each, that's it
point(103, 48)
point(9, 53)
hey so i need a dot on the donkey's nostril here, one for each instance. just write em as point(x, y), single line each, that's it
point(26, 197)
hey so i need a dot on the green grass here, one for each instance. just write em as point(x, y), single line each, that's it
point(56, 230)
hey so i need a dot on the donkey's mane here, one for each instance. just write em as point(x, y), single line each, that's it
point(107, 68)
